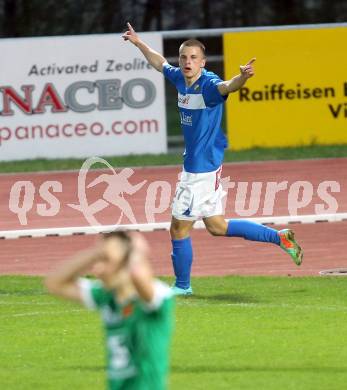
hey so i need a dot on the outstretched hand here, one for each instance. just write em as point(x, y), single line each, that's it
point(247, 70)
point(130, 35)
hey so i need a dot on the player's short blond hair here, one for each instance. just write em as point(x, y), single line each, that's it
point(194, 43)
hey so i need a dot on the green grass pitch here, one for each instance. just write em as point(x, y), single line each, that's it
point(254, 154)
point(234, 333)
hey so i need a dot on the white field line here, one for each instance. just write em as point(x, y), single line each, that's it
point(187, 302)
point(148, 227)
point(6, 303)
point(40, 313)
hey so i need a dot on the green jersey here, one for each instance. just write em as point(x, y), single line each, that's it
point(138, 336)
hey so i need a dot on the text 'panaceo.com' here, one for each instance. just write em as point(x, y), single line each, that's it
point(80, 129)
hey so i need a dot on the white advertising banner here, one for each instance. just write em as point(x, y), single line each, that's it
point(78, 96)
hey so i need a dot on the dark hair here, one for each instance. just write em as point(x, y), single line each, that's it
point(194, 43)
point(121, 234)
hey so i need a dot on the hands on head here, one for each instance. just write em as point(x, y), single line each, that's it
point(129, 254)
point(128, 249)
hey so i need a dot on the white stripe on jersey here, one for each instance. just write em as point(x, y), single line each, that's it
point(191, 101)
point(86, 293)
point(161, 292)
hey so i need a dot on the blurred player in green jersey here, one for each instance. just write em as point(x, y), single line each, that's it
point(136, 309)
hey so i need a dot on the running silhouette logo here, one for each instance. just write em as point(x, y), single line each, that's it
point(118, 185)
point(113, 190)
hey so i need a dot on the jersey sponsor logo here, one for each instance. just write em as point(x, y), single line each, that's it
point(128, 310)
point(192, 101)
point(186, 120)
point(183, 100)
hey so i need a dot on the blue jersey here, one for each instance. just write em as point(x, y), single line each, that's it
point(201, 110)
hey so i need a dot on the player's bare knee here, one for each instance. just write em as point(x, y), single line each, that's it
point(178, 231)
point(216, 230)
point(173, 231)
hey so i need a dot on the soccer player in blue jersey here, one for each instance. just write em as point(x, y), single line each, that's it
point(201, 97)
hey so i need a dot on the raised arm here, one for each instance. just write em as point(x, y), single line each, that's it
point(246, 71)
point(140, 269)
point(152, 56)
point(63, 282)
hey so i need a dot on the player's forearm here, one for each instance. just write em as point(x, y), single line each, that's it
point(232, 85)
point(153, 57)
point(70, 271)
point(142, 277)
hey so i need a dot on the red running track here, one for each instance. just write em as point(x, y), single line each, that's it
point(323, 242)
point(324, 245)
point(310, 173)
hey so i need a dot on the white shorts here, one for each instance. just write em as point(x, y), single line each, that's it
point(198, 195)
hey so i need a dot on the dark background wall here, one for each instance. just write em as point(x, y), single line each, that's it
point(23, 18)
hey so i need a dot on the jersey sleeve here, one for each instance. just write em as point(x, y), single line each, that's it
point(211, 94)
point(93, 293)
point(162, 292)
point(172, 73)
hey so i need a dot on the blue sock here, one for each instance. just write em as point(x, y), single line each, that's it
point(252, 231)
point(182, 258)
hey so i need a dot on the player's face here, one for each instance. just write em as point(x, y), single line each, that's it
point(191, 61)
point(111, 273)
point(109, 268)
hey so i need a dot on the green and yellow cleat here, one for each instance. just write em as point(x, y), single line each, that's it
point(288, 244)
